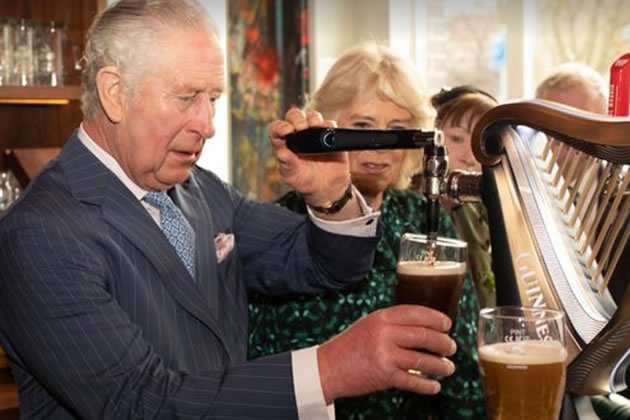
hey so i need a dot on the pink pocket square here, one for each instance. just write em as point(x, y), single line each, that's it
point(224, 243)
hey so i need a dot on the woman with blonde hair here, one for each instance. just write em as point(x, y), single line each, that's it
point(370, 87)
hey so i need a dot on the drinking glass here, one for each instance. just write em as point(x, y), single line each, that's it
point(5, 191)
point(431, 273)
point(522, 361)
point(6, 51)
point(50, 41)
point(23, 58)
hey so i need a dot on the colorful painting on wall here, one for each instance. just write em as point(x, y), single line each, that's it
point(268, 64)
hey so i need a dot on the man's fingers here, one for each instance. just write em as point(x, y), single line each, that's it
point(419, 384)
point(278, 130)
point(314, 118)
point(297, 118)
point(424, 338)
point(417, 315)
point(424, 362)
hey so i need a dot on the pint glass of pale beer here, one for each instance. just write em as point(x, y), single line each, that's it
point(431, 274)
point(522, 361)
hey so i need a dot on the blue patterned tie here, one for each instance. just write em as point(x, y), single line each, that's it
point(175, 227)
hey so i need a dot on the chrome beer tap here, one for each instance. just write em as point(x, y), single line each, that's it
point(439, 184)
point(435, 168)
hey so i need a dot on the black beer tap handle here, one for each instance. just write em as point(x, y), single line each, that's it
point(327, 140)
point(434, 171)
point(432, 222)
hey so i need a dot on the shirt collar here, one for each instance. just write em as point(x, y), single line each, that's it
point(110, 163)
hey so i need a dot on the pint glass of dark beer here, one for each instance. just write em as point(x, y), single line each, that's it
point(431, 274)
point(522, 361)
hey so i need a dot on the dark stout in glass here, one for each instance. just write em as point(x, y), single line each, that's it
point(523, 380)
point(438, 285)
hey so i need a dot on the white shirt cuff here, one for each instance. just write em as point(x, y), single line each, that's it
point(362, 227)
point(309, 396)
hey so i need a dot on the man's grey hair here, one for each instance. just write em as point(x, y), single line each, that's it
point(571, 75)
point(126, 35)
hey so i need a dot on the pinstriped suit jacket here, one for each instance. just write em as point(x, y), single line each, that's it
point(100, 318)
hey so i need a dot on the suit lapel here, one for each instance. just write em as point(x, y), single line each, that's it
point(92, 182)
point(198, 215)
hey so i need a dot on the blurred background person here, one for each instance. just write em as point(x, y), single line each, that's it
point(576, 85)
point(458, 110)
point(371, 88)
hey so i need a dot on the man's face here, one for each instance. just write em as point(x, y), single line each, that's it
point(578, 97)
point(165, 125)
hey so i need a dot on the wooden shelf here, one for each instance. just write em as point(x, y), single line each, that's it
point(8, 397)
point(4, 363)
point(26, 163)
point(9, 400)
point(39, 94)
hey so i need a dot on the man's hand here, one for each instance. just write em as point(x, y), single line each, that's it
point(378, 350)
point(321, 179)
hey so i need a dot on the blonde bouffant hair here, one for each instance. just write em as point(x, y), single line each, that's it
point(371, 67)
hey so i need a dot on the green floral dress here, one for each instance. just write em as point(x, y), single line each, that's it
point(283, 323)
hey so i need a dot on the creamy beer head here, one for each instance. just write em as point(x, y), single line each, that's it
point(439, 268)
point(438, 285)
point(526, 352)
point(523, 380)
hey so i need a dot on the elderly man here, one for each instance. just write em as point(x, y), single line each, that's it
point(125, 267)
point(576, 85)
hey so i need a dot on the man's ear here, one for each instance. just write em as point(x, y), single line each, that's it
point(111, 93)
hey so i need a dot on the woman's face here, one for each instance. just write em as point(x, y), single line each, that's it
point(458, 142)
point(373, 171)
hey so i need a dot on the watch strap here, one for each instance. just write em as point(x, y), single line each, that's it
point(332, 207)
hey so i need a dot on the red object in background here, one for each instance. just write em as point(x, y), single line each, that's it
point(619, 93)
point(267, 67)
